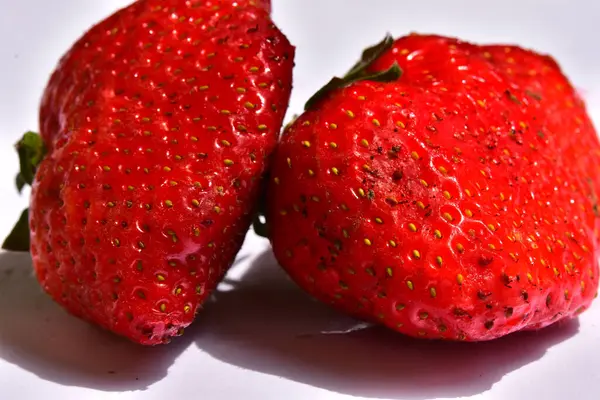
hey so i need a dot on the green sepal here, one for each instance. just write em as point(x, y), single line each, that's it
point(359, 72)
point(31, 151)
point(20, 182)
point(18, 239)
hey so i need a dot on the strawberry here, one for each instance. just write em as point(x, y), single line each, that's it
point(156, 128)
point(456, 201)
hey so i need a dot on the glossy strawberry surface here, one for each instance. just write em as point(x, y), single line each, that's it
point(457, 202)
point(158, 123)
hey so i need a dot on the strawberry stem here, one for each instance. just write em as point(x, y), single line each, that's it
point(31, 151)
point(359, 72)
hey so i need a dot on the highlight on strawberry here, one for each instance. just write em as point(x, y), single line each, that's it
point(155, 130)
point(444, 189)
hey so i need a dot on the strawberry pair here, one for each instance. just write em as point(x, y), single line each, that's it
point(444, 189)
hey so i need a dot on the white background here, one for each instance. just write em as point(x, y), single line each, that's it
point(246, 345)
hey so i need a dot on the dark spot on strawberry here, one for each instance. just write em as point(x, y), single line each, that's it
point(517, 137)
point(483, 295)
point(506, 280)
point(533, 94)
point(397, 175)
point(525, 296)
point(548, 300)
point(491, 142)
point(508, 312)
point(459, 312)
point(512, 97)
point(485, 260)
point(147, 331)
point(541, 135)
point(489, 325)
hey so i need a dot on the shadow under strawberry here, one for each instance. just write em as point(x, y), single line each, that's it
point(40, 337)
point(282, 332)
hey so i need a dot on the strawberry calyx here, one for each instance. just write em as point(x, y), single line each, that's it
point(31, 151)
point(359, 72)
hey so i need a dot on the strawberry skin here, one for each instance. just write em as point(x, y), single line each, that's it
point(456, 202)
point(157, 124)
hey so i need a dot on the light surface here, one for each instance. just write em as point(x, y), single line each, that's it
point(246, 345)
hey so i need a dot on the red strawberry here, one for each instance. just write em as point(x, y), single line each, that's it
point(157, 124)
point(457, 201)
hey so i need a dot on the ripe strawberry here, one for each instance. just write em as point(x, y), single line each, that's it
point(157, 125)
point(457, 201)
